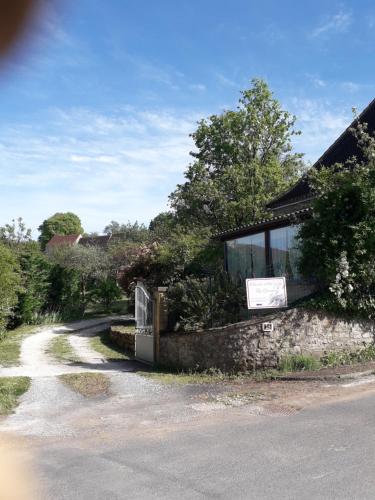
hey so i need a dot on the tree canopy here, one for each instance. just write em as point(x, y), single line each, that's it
point(243, 159)
point(60, 223)
point(134, 232)
point(15, 233)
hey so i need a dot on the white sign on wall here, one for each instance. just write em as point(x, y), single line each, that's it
point(266, 293)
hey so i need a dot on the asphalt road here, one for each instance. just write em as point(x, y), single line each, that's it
point(326, 452)
point(147, 440)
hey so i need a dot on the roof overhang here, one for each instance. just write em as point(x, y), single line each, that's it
point(271, 223)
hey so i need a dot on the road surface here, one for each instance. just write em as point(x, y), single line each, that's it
point(151, 441)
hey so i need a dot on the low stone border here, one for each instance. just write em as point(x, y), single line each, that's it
point(122, 338)
point(260, 343)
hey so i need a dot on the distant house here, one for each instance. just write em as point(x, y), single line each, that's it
point(102, 241)
point(269, 247)
point(60, 240)
point(96, 241)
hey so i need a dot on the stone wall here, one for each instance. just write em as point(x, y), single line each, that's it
point(245, 346)
point(123, 338)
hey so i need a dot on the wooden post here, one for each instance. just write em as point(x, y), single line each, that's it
point(160, 317)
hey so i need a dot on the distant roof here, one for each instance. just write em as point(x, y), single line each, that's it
point(101, 241)
point(62, 239)
point(341, 150)
point(97, 241)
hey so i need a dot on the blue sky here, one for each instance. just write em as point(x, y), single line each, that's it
point(96, 109)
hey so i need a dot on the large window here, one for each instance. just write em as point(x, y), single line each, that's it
point(284, 252)
point(246, 257)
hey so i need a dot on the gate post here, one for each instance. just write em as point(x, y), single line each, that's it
point(160, 317)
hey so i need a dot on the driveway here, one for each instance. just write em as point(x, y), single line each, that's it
point(151, 441)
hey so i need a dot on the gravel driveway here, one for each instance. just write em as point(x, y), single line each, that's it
point(149, 440)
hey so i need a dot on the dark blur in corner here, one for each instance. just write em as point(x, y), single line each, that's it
point(16, 19)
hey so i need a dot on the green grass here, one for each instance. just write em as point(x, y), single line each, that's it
point(89, 385)
point(211, 376)
point(363, 355)
point(61, 350)
point(103, 344)
point(298, 362)
point(11, 389)
point(97, 310)
point(10, 345)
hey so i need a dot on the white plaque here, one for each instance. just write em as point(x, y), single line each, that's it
point(266, 293)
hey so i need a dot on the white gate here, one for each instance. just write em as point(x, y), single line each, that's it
point(144, 337)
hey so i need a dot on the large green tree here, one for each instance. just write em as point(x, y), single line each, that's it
point(60, 223)
point(242, 160)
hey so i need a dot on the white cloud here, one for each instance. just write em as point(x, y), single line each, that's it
point(225, 81)
point(351, 86)
point(318, 82)
point(119, 165)
point(338, 23)
point(198, 86)
point(321, 124)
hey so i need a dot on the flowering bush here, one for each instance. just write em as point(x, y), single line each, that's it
point(338, 242)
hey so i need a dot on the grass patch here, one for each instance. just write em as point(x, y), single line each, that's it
point(61, 349)
point(290, 363)
point(103, 344)
point(11, 389)
point(98, 310)
point(298, 362)
point(89, 385)
point(210, 376)
point(10, 344)
point(334, 359)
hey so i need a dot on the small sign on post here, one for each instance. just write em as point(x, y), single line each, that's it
point(266, 293)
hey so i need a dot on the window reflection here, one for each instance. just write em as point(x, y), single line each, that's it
point(284, 252)
point(246, 257)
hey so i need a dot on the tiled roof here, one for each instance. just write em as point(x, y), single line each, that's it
point(97, 241)
point(61, 239)
point(232, 233)
point(103, 240)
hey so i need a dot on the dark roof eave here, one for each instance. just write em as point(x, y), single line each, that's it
point(263, 224)
point(321, 161)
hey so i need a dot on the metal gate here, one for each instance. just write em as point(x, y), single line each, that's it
point(144, 337)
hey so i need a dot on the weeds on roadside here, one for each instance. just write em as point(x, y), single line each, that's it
point(11, 388)
point(298, 362)
point(363, 355)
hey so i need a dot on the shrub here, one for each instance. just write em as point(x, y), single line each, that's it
point(338, 242)
point(363, 355)
point(197, 303)
point(35, 275)
point(298, 362)
point(106, 292)
point(10, 282)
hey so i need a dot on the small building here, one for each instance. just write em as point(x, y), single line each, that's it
point(62, 240)
point(98, 241)
point(269, 248)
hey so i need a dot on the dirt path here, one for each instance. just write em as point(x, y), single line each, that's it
point(63, 431)
point(51, 410)
point(81, 345)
